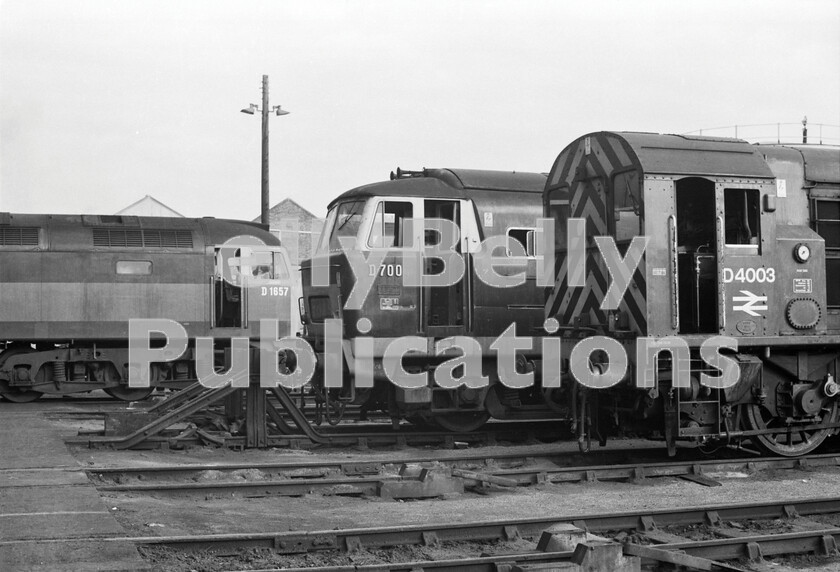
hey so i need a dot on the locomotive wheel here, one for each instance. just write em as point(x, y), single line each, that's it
point(787, 443)
point(18, 395)
point(126, 393)
point(14, 394)
point(462, 422)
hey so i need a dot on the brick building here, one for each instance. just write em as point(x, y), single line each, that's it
point(299, 229)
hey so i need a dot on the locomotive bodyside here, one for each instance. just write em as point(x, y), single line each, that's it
point(735, 247)
point(480, 204)
point(69, 284)
point(812, 189)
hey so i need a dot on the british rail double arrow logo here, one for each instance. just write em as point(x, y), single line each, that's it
point(751, 301)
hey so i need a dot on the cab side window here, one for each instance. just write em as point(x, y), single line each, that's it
point(389, 229)
point(741, 217)
point(269, 265)
point(523, 237)
point(826, 216)
point(627, 205)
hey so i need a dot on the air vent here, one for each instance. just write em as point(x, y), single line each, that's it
point(19, 236)
point(146, 238)
point(117, 237)
point(167, 238)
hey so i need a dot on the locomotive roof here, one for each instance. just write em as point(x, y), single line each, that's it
point(65, 231)
point(653, 153)
point(688, 155)
point(821, 162)
point(449, 183)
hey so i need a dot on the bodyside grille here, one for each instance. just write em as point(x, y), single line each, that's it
point(145, 238)
point(18, 236)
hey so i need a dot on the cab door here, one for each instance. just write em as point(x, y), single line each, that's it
point(446, 310)
point(226, 290)
point(251, 281)
point(268, 288)
point(395, 304)
point(697, 256)
point(746, 268)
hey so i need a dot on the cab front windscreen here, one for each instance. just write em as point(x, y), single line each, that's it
point(343, 220)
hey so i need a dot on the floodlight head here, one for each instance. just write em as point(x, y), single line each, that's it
point(279, 111)
point(250, 110)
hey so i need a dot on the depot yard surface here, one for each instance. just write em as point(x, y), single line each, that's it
point(44, 493)
point(151, 515)
point(42, 497)
point(319, 512)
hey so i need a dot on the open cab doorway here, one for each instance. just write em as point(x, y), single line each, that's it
point(697, 259)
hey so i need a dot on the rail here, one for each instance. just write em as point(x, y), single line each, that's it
point(506, 529)
point(365, 478)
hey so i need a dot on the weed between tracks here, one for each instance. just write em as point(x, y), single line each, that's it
point(168, 560)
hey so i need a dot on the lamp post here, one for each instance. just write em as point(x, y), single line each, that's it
point(251, 110)
point(255, 412)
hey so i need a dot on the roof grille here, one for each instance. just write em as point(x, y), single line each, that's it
point(19, 236)
point(146, 238)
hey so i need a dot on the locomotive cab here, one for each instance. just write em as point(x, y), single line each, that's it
point(736, 259)
point(250, 281)
point(735, 253)
point(380, 223)
point(410, 244)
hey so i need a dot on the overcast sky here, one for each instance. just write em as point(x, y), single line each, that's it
point(104, 102)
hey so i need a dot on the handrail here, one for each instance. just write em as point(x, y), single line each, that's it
point(675, 290)
point(721, 291)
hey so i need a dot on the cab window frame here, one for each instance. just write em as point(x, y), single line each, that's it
point(333, 243)
point(821, 219)
point(380, 203)
point(631, 203)
point(530, 241)
point(751, 197)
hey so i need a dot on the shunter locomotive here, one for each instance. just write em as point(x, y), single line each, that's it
point(373, 218)
point(69, 284)
point(743, 241)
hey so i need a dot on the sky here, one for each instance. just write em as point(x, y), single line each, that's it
point(104, 102)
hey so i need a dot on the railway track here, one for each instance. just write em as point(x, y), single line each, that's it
point(692, 555)
point(357, 478)
point(651, 527)
point(653, 536)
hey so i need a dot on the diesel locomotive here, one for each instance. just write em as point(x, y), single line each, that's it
point(69, 284)
point(371, 222)
point(742, 242)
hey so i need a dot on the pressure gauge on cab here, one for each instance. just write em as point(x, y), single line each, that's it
point(801, 252)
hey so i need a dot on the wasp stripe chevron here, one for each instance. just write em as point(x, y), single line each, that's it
point(554, 297)
point(586, 168)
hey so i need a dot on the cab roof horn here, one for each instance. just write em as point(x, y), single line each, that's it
point(401, 174)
